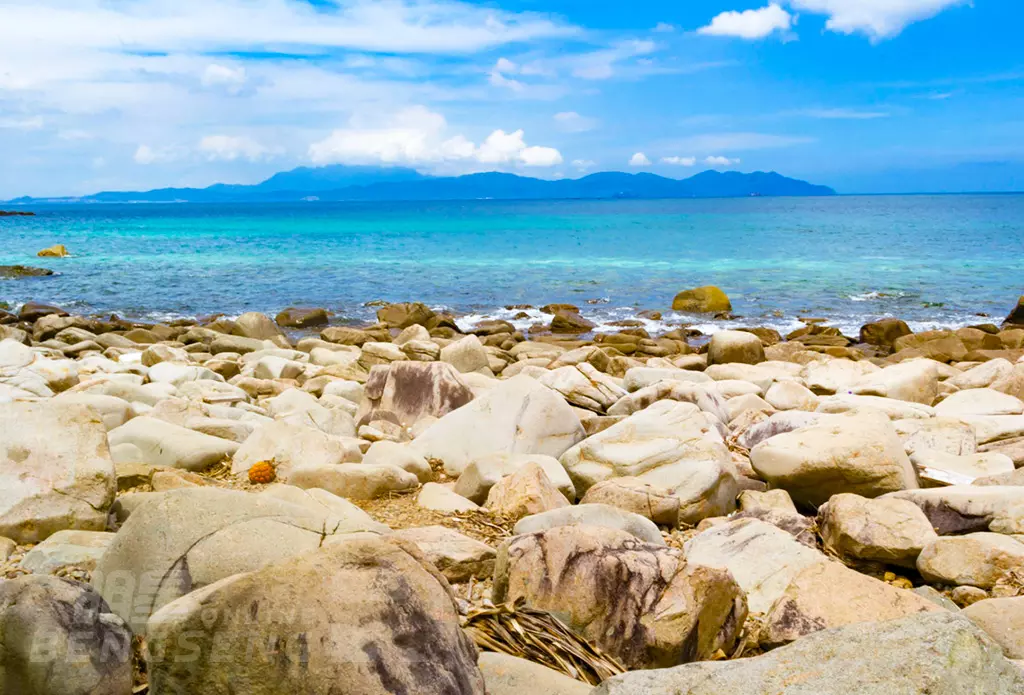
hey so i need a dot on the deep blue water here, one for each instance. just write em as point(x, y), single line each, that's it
point(937, 260)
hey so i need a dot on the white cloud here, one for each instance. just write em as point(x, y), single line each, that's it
point(157, 155)
point(572, 122)
point(750, 24)
point(583, 164)
point(679, 161)
point(418, 137)
point(499, 78)
point(845, 114)
point(230, 79)
point(719, 161)
point(228, 148)
point(639, 160)
point(732, 142)
point(879, 19)
point(33, 123)
point(601, 65)
point(664, 28)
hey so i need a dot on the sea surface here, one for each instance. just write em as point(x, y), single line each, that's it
point(934, 261)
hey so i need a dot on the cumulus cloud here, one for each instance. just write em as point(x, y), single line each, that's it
point(679, 161)
point(228, 148)
point(750, 24)
point(572, 122)
point(419, 137)
point(719, 161)
point(157, 155)
point(639, 160)
point(879, 19)
point(230, 79)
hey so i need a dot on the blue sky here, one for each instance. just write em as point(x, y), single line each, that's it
point(863, 95)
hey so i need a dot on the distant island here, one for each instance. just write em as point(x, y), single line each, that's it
point(16, 213)
point(379, 184)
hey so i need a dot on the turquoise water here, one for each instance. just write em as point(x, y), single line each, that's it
point(933, 260)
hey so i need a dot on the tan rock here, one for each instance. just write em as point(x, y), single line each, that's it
point(458, 557)
point(525, 492)
point(636, 496)
point(702, 300)
point(977, 559)
point(1003, 620)
point(644, 604)
point(881, 530)
point(735, 346)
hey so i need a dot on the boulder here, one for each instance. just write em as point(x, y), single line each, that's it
point(81, 549)
point(948, 469)
point(702, 300)
point(964, 508)
point(570, 322)
point(183, 540)
point(400, 455)
point(353, 481)
point(982, 376)
point(584, 387)
point(113, 411)
point(976, 559)
point(777, 424)
point(406, 392)
point(826, 377)
point(883, 333)
point(302, 317)
point(643, 604)
point(467, 355)
point(525, 492)
point(406, 314)
point(892, 408)
point(1003, 620)
point(510, 675)
point(761, 557)
point(55, 470)
point(885, 530)
point(55, 251)
point(484, 473)
point(159, 443)
point(592, 514)
point(517, 416)
point(828, 595)
point(670, 445)
point(935, 653)
point(979, 403)
point(707, 397)
point(791, 395)
point(1016, 316)
point(366, 615)
point(290, 445)
point(916, 381)
point(857, 453)
point(637, 497)
point(58, 637)
point(769, 500)
point(458, 557)
point(944, 434)
point(259, 327)
point(735, 346)
point(441, 498)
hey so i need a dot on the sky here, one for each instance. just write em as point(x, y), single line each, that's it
point(864, 95)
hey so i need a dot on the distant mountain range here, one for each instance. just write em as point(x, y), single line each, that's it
point(361, 183)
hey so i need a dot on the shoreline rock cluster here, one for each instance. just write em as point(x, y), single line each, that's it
point(313, 513)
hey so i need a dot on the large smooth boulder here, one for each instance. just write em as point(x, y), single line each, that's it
point(406, 392)
point(301, 408)
point(641, 603)
point(55, 470)
point(885, 530)
point(762, 558)
point(406, 314)
point(702, 300)
point(183, 540)
point(365, 615)
point(114, 411)
point(58, 637)
point(1016, 315)
point(916, 381)
point(353, 481)
point(636, 496)
point(977, 559)
point(828, 595)
point(467, 355)
point(484, 473)
point(259, 327)
point(160, 443)
point(592, 514)
point(949, 469)
point(949, 435)
point(884, 332)
point(527, 491)
point(291, 445)
point(735, 346)
point(456, 556)
point(938, 653)
point(517, 416)
point(301, 317)
point(81, 549)
point(857, 453)
point(671, 445)
point(979, 403)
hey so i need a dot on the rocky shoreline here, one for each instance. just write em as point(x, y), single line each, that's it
point(415, 507)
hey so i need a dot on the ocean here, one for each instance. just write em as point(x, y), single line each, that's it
point(935, 261)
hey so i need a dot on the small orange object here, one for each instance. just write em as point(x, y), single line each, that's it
point(262, 473)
